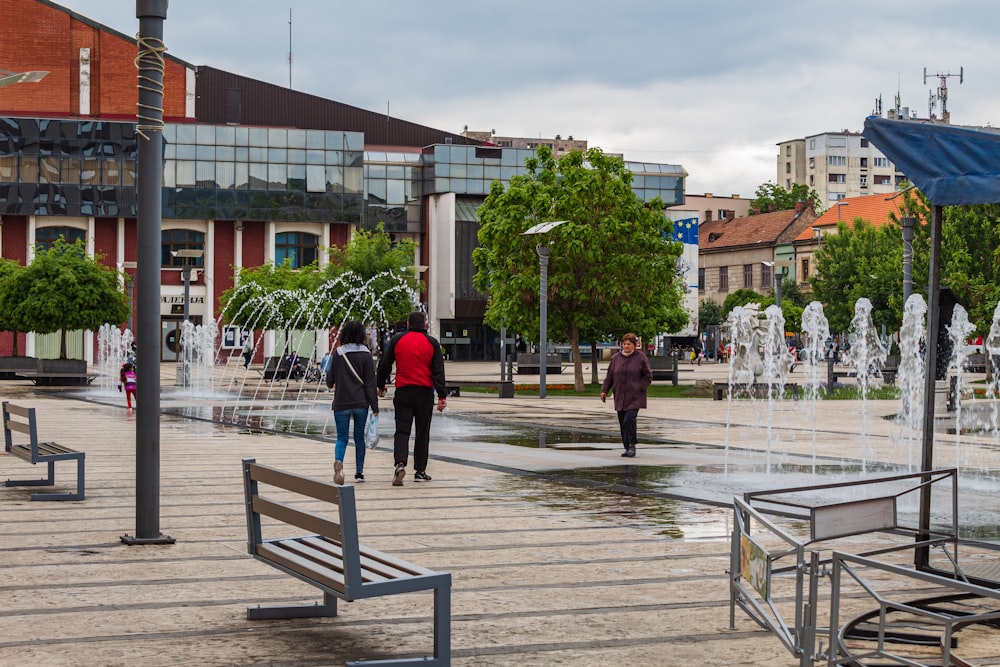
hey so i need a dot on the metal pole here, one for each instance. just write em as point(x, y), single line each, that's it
point(185, 368)
point(543, 289)
point(907, 224)
point(921, 555)
point(503, 353)
point(151, 14)
point(777, 290)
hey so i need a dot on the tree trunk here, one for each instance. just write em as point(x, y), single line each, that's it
point(594, 379)
point(62, 344)
point(574, 342)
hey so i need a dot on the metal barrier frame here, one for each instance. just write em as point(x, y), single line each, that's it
point(872, 515)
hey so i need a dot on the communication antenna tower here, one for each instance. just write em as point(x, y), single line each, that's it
point(942, 92)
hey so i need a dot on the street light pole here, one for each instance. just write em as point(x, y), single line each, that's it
point(908, 224)
point(543, 289)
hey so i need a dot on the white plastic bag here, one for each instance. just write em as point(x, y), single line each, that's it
point(371, 430)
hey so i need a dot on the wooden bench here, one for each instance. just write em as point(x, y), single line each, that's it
point(528, 364)
point(22, 420)
point(58, 379)
point(331, 558)
point(759, 389)
point(454, 387)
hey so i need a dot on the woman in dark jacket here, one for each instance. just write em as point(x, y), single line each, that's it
point(627, 378)
point(352, 371)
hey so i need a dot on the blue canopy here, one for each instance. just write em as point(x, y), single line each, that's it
point(951, 165)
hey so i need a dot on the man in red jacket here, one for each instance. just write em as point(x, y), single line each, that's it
point(419, 374)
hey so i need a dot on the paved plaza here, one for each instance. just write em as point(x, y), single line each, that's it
point(549, 567)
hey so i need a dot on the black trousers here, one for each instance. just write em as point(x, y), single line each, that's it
point(627, 422)
point(413, 405)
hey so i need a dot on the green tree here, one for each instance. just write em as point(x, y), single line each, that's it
point(62, 290)
point(612, 269)
point(741, 297)
point(771, 197)
point(710, 313)
point(970, 240)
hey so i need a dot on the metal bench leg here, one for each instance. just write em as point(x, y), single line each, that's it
point(442, 625)
point(36, 482)
point(317, 610)
point(64, 496)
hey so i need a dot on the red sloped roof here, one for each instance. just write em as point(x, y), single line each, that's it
point(871, 208)
point(763, 228)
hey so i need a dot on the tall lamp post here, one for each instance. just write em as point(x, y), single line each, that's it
point(187, 254)
point(543, 298)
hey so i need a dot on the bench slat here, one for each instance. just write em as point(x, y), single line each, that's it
point(53, 448)
point(21, 451)
point(375, 565)
point(314, 523)
point(284, 554)
point(313, 488)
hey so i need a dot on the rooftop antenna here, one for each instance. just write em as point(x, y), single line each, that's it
point(289, 48)
point(942, 92)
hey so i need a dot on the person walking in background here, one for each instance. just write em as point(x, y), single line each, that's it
point(247, 351)
point(419, 374)
point(352, 371)
point(628, 377)
point(127, 379)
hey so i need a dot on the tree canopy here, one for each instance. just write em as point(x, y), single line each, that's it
point(771, 197)
point(62, 290)
point(612, 267)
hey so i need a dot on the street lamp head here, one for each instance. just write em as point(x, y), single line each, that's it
point(543, 227)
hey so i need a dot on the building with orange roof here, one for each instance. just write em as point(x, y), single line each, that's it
point(743, 253)
point(874, 209)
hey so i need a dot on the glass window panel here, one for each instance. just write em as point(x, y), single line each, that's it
point(334, 157)
point(70, 170)
point(315, 139)
point(296, 156)
point(90, 172)
point(224, 174)
point(129, 171)
point(354, 159)
point(258, 136)
point(112, 172)
point(185, 174)
point(277, 137)
point(241, 177)
point(395, 171)
point(258, 154)
point(169, 151)
point(376, 171)
point(315, 179)
point(334, 140)
point(442, 185)
point(458, 170)
point(170, 174)
point(29, 169)
point(315, 157)
point(225, 136)
point(205, 135)
point(296, 138)
point(49, 170)
point(442, 169)
point(395, 192)
point(475, 171)
point(353, 179)
point(169, 132)
point(297, 177)
point(225, 153)
point(205, 172)
point(277, 155)
point(277, 177)
point(376, 189)
point(242, 136)
point(205, 153)
point(185, 134)
point(335, 178)
point(353, 141)
point(491, 173)
point(374, 156)
point(187, 151)
point(243, 153)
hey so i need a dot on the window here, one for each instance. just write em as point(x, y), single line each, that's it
point(837, 178)
point(788, 150)
point(180, 239)
point(836, 160)
point(812, 181)
point(881, 179)
point(805, 269)
point(765, 275)
point(701, 280)
point(864, 163)
point(864, 181)
point(788, 167)
point(299, 248)
point(880, 161)
point(864, 143)
point(812, 163)
point(812, 144)
point(46, 236)
point(748, 276)
point(723, 278)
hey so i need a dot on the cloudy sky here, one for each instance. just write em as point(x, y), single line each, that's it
point(711, 85)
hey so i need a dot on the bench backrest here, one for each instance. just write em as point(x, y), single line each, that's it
point(11, 413)
point(340, 528)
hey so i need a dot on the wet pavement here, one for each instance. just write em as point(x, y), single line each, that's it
point(561, 551)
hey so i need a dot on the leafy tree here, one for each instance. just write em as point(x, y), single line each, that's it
point(970, 240)
point(62, 289)
point(771, 197)
point(612, 269)
point(741, 297)
point(791, 293)
point(8, 269)
point(710, 313)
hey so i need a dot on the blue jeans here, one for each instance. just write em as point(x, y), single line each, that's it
point(342, 418)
